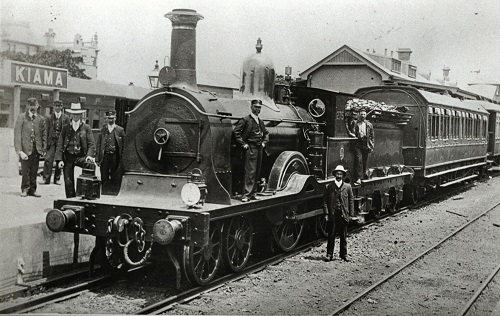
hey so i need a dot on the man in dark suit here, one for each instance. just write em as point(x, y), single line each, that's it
point(30, 141)
point(109, 151)
point(251, 133)
point(55, 122)
point(338, 208)
point(75, 146)
point(365, 135)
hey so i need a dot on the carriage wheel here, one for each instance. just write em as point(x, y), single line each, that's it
point(202, 263)
point(110, 255)
point(238, 242)
point(321, 226)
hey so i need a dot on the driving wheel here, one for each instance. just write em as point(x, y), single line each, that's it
point(238, 242)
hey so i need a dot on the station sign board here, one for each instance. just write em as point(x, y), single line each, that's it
point(25, 74)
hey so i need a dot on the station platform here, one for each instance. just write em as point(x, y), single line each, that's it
point(29, 250)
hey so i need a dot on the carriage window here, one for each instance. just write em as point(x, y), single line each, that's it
point(446, 123)
point(457, 124)
point(441, 123)
point(485, 131)
point(433, 122)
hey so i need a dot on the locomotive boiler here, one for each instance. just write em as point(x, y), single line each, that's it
point(178, 198)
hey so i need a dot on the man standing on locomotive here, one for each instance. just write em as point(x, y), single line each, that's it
point(338, 207)
point(75, 147)
point(364, 145)
point(109, 151)
point(251, 133)
point(54, 126)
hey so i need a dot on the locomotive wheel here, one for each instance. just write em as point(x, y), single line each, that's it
point(287, 164)
point(287, 235)
point(238, 242)
point(110, 256)
point(321, 226)
point(202, 263)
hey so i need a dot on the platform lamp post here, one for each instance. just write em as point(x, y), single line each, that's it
point(154, 77)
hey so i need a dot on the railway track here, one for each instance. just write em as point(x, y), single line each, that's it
point(191, 293)
point(419, 257)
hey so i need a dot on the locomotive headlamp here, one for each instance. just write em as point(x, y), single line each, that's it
point(57, 220)
point(195, 191)
point(154, 77)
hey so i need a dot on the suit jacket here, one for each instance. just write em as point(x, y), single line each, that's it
point(86, 141)
point(50, 127)
point(346, 197)
point(370, 135)
point(119, 134)
point(243, 128)
point(22, 134)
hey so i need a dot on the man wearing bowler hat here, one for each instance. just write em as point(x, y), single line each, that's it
point(75, 146)
point(338, 208)
point(109, 151)
point(251, 133)
point(30, 141)
point(55, 122)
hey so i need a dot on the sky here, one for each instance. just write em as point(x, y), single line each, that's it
point(461, 34)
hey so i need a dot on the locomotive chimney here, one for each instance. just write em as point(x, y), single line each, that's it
point(183, 45)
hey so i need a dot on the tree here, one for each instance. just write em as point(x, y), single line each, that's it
point(52, 58)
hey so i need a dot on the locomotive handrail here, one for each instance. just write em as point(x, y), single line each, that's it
point(217, 115)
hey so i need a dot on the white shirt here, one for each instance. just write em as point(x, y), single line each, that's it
point(58, 115)
point(255, 117)
point(111, 127)
point(362, 129)
point(338, 183)
point(76, 125)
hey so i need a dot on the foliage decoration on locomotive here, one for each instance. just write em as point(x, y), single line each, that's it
point(183, 170)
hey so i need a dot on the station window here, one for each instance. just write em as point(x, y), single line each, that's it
point(412, 71)
point(396, 65)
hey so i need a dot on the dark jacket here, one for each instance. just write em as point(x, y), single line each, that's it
point(22, 134)
point(347, 201)
point(86, 141)
point(243, 128)
point(119, 134)
point(370, 135)
point(50, 127)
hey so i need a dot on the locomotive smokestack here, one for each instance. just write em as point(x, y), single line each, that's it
point(183, 45)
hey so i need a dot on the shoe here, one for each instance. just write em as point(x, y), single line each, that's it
point(328, 258)
point(44, 182)
point(57, 182)
point(357, 182)
point(245, 199)
point(24, 194)
point(34, 194)
point(253, 197)
point(346, 259)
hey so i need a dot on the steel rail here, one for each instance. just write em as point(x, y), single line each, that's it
point(61, 295)
point(479, 291)
point(171, 302)
point(421, 255)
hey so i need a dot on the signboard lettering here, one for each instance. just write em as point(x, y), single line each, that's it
point(38, 75)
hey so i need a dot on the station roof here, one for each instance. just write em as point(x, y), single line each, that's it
point(103, 88)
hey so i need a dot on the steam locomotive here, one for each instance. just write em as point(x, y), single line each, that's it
point(178, 197)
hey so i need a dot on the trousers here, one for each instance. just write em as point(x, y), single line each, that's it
point(253, 161)
point(70, 161)
point(29, 171)
point(337, 226)
point(109, 165)
point(47, 166)
point(360, 162)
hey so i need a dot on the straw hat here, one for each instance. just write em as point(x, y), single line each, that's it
point(76, 108)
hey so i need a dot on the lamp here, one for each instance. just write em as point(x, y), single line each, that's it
point(154, 77)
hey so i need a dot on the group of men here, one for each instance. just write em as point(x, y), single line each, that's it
point(67, 140)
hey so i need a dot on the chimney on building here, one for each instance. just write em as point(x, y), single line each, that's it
point(404, 53)
point(368, 50)
point(183, 45)
point(446, 73)
point(385, 52)
point(392, 53)
point(50, 35)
